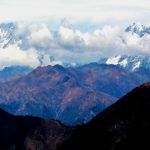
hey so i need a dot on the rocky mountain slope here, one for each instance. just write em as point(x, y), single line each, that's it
point(71, 95)
point(53, 92)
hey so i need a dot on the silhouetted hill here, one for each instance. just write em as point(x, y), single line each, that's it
point(29, 133)
point(123, 126)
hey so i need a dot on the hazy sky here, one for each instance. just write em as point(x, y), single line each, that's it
point(74, 31)
point(100, 11)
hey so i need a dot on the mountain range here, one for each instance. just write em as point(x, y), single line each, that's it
point(71, 95)
point(124, 125)
point(78, 103)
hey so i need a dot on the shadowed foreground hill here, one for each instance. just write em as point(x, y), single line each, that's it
point(123, 126)
point(30, 133)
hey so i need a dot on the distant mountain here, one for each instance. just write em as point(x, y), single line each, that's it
point(53, 92)
point(13, 72)
point(138, 29)
point(110, 79)
point(123, 126)
point(71, 95)
point(130, 63)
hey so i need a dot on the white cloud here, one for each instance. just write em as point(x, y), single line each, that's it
point(40, 37)
point(71, 45)
point(137, 45)
point(46, 60)
point(103, 40)
point(13, 55)
point(85, 47)
point(70, 38)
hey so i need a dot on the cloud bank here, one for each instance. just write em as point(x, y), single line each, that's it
point(39, 45)
point(13, 55)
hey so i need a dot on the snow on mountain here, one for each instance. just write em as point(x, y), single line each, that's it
point(130, 63)
point(7, 34)
point(113, 60)
point(139, 29)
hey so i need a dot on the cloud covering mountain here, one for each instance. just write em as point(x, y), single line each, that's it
point(67, 44)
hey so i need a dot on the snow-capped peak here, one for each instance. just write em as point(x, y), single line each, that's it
point(137, 28)
point(130, 63)
point(113, 60)
point(124, 62)
point(7, 34)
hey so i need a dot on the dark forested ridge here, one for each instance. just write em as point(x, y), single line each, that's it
point(124, 125)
